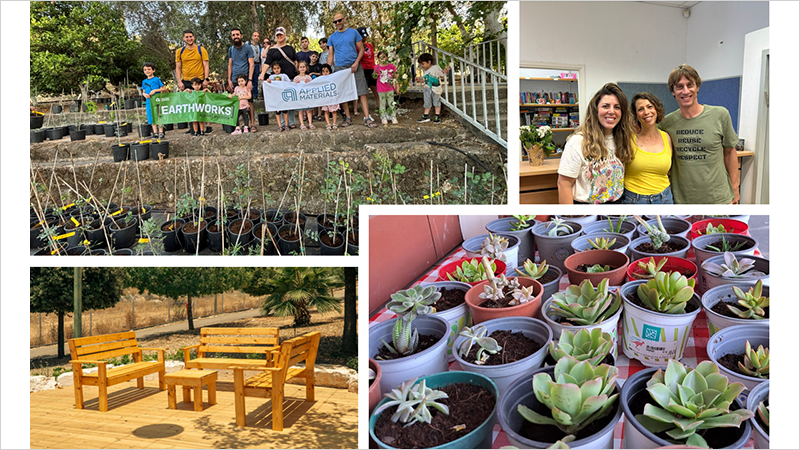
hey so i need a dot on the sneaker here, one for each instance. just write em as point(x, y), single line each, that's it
point(424, 119)
point(384, 122)
point(245, 130)
point(193, 133)
point(161, 136)
point(436, 119)
point(237, 131)
point(201, 133)
point(209, 130)
point(190, 131)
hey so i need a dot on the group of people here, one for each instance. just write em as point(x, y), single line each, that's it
point(632, 153)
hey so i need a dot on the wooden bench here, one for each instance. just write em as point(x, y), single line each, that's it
point(232, 340)
point(272, 379)
point(93, 349)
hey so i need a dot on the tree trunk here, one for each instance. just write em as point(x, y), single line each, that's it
point(60, 334)
point(301, 315)
point(189, 312)
point(254, 18)
point(349, 336)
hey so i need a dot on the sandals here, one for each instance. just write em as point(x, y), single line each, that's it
point(253, 129)
point(292, 127)
point(329, 127)
point(311, 126)
point(369, 123)
point(347, 122)
point(281, 128)
point(303, 127)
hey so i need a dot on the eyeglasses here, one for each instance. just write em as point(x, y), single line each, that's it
point(337, 21)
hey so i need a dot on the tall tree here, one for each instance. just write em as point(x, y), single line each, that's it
point(52, 291)
point(350, 335)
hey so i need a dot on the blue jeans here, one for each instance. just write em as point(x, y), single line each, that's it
point(254, 81)
point(662, 198)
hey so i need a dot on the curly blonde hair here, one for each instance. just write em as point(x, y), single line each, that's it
point(594, 146)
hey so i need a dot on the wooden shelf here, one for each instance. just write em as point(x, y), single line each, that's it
point(551, 105)
point(547, 79)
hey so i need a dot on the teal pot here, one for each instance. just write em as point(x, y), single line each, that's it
point(673, 225)
point(510, 256)
point(654, 337)
point(269, 246)
point(240, 231)
point(170, 234)
point(628, 229)
point(581, 243)
point(504, 374)
point(712, 281)
point(583, 220)
point(331, 245)
point(608, 326)
point(702, 253)
point(555, 249)
point(732, 340)
point(457, 317)
point(289, 240)
point(634, 392)
point(480, 437)
point(520, 392)
point(123, 234)
point(140, 152)
point(427, 362)
point(717, 322)
point(159, 150)
point(757, 395)
point(526, 239)
point(683, 245)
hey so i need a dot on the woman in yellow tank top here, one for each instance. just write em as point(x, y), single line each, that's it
point(647, 176)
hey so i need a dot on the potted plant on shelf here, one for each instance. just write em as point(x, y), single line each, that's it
point(727, 269)
point(554, 238)
point(728, 305)
point(742, 354)
point(692, 407)
point(647, 268)
point(418, 340)
point(658, 316)
point(584, 307)
point(503, 297)
point(758, 403)
point(451, 307)
point(596, 265)
point(503, 349)
point(463, 404)
point(548, 276)
point(601, 241)
point(619, 225)
point(518, 226)
point(494, 246)
point(711, 245)
point(469, 270)
point(538, 143)
point(572, 398)
point(657, 242)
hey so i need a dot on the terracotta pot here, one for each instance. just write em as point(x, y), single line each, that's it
point(375, 387)
point(616, 277)
point(528, 309)
point(674, 264)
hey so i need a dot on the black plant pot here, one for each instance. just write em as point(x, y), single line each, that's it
point(289, 218)
point(159, 148)
point(140, 152)
point(53, 134)
point(95, 234)
point(130, 103)
point(215, 233)
point(196, 240)
point(145, 130)
point(100, 129)
point(64, 130)
point(123, 252)
point(269, 246)
point(77, 236)
point(168, 127)
point(183, 125)
point(274, 216)
point(36, 230)
point(123, 234)
point(288, 246)
point(352, 243)
point(97, 252)
point(146, 214)
point(329, 217)
point(78, 135)
point(110, 129)
point(74, 108)
point(120, 152)
point(128, 127)
point(228, 128)
point(209, 214)
point(253, 214)
point(263, 119)
point(89, 129)
point(170, 236)
point(331, 245)
point(47, 251)
point(37, 120)
point(243, 237)
point(56, 109)
point(38, 136)
point(77, 250)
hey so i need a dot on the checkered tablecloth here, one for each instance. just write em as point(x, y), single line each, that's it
point(694, 353)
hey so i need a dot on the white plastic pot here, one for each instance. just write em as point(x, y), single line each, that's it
point(732, 340)
point(757, 395)
point(701, 253)
point(473, 248)
point(428, 362)
point(504, 374)
point(724, 293)
point(653, 337)
point(585, 220)
point(608, 326)
point(457, 317)
point(712, 281)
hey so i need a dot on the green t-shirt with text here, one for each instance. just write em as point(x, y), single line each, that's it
point(698, 163)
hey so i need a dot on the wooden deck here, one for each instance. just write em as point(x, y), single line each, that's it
point(141, 419)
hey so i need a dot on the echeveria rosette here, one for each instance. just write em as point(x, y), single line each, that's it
point(413, 302)
point(733, 268)
point(585, 305)
point(690, 401)
point(584, 345)
point(666, 293)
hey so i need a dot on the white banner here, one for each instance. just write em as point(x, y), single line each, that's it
point(338, 87)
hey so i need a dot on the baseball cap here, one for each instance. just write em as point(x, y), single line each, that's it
point(280, 30)
point(362, 31)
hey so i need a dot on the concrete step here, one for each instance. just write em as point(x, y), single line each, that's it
point(502, 92)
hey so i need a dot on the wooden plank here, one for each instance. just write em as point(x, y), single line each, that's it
point(239, 331)
point(224, 363)
point(235, 349)
point(538, 183)
point(110, 354)
point(104, 338)
point(550, 165)
point(92, 349)
point(540, 197)
point(269, 341)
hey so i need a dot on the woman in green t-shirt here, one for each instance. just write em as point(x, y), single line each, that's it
point(647, 175)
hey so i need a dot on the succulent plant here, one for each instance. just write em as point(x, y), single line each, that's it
point(521, 223)
point(499, 287)
point(412, 401)
point(751, 302)
point(404, 337)
point(478, 335)
point(658, 234)
point(415, 301)
point(763, 414)
point(522, 294)
point(597, 268)
point(584, 345)
point(667, 293)
point(557, 227)
point(651, 267)
point(756, 362)
point(726, 246)
point(615, 228)
point(585, 305)
point(602, 243)
point(733, 268)
point(470, 271)
point(531, 270)
point(579, 395)
point(713, 230)
point(562, 443)
point(493, 246)
point(691, 401)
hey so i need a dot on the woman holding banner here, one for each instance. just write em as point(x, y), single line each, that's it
point(284, 54)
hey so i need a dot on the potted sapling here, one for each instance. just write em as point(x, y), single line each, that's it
point(469, 270)
point(503, 297)
point(452, 308)
point(584, 307)
point(717, 244)
point(742, 354)
point(415, 344)
point(758, 403)
point(618, 225)
point(494, 246)
point(647, 268)
point(445, 410)
point(597, 265)
point(503, 349)
point(729, 305)
point(519, 227)
point(594, 346)
point(684, 406)
point(554, 238)
point(657, 242)
point(727, 269)
point(658, 316)
point(572, 398)
point(548, 276)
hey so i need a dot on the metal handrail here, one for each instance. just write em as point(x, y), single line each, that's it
point(474, 77)
point(477, 53)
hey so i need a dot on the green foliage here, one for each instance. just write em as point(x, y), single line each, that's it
point(585, 305)
point(657, 233)
point(470, 271)
point(597, 268)
point(602, 243)
point(763, 413)
point(666, 292)
point(612, 228)
point(733, 268)
point(478, 335)
point(52, 288)
point(242, 189)
point(726, 246)
point(412, 302)
point(353, 363)
point(756, 361)
point(584, 345)
point(751, 303)
point(531, 270)
point(557, 227)
point(521, 223)
point(651, 268)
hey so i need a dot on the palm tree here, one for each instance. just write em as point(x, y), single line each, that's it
point(291, 291)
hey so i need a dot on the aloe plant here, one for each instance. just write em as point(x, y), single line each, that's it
point(752, 303)
point(415, 301)
point(470, 271)
point(733, 268)
point(756, 362)
point(615, 228)
point(580, 395)
point(412, 401)
point(493, 247)
point(584, 345)
point(691, 401)
point(531, 270)
point(585, 305)
point(478, 335)
point(405, 338)
point(726, 246)
point(658, 234)
point(602, 243)
point(666, 293)
point(559, 228)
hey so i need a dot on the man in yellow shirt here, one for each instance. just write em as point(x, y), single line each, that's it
point(191, 61)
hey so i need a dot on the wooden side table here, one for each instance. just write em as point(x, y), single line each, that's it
point(192, 379)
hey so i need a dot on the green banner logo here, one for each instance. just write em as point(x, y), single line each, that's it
point(177, 107)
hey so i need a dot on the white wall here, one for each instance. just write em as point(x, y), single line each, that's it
point(754, 45)
point(715, 36)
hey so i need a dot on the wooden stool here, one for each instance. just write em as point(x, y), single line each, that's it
point(189, 379)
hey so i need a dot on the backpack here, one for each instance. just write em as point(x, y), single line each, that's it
point(199, 52)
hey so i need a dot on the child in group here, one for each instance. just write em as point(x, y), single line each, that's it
point(304, 77)
point(151, 85)
point(326, 70)
point(386, 74)
point(244, 95)
point(315, 70)
point(433, 76)
point(198, 128)
point(277, 76)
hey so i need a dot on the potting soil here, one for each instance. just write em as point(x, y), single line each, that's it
point(504, 303)
point(722, 309)
point(426, 341)
point(450, 299)
point(515, 346)
point(666, 247)
point(326, 239)
point(469, 406)
point(546, 278)
point(731, 362)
